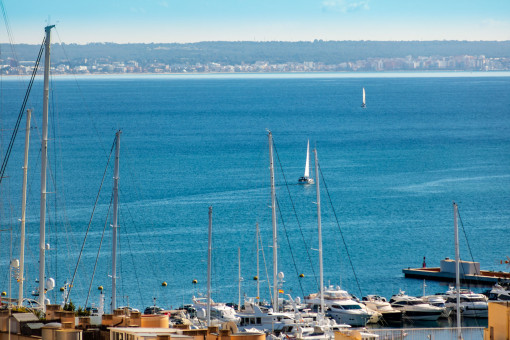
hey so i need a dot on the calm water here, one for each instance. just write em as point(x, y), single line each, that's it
point(392, 171)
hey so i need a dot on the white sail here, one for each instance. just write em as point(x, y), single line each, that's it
point(307, 166)
point(364, 97)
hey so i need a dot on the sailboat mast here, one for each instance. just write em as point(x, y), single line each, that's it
point(258, 268)
point(23, 210)
point(44, 155)
point(319, 225)
point(273, 218)
point(457, 267)
point(209, 260)
point(240, 278)
point(115, 217)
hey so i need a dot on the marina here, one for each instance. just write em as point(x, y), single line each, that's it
point(322, 315)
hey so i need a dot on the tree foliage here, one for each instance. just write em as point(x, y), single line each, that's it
point(238, 52)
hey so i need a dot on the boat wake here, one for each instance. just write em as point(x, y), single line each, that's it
point(440, 185)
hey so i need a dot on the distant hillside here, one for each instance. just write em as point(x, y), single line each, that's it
point(328, 52)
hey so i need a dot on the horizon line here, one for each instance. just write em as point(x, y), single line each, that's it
point(251, 41)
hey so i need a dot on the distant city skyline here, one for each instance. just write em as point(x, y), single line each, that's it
point(167, 21)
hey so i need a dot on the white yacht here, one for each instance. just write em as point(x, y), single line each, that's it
point(342, 307)
point(219, 311)
point(439, 301)
point(263, 319)
point(415, 309)
point(499, 292)
point(471, 305)
point(380, 304)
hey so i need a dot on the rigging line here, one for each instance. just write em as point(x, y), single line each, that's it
point(55, 181)
point(129, 245)
point(265, 267)
point(136, 186)
point(290, 248)
point(90, 220)
point(133, 261)
point(60, 199)
point(119, 256)
point(470, 253)
point(339, 229)
point(98, 250)
point(86, 107)
point(9, 32)
point(297, 219)
point(465, 235)
point(21, 112)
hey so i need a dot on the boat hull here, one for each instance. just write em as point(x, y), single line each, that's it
point(391, 317)
point(352, 319)
point(305, 180)
point(421, 315)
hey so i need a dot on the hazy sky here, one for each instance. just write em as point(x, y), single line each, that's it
point(148, 21)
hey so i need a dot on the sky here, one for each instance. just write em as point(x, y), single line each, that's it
point(168, 21)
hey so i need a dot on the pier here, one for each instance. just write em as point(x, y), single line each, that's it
point(470, 273)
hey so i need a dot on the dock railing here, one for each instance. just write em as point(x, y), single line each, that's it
point(449, 333)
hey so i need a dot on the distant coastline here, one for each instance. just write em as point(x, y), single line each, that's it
point(219, 75)
point(263, 57)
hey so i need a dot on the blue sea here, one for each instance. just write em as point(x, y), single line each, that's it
point(390, 173)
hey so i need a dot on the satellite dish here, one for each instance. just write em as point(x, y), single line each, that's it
point(280, 276)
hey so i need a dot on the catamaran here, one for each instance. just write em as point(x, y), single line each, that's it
point(306, 178)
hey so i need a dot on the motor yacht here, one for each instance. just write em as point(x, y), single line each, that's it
point(471, 305)
point(415, 309)
point(381, 305)
point(342, 307)
point(438, 301)
point(219, 311)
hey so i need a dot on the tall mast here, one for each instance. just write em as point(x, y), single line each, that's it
point(457, 268)
point(275, 234)
point(209, 258)
point(23, 210)
point(115, 215)
point(258, 274)
point(321, 271)
point(240, 278)
point(44, 155)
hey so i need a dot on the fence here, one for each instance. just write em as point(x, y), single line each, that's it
point(450, 333)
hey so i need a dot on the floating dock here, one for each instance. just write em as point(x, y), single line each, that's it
point(470, 273)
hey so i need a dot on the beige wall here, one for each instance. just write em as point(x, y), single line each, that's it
point(499, 321)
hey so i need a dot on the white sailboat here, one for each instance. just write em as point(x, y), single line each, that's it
point(306, 177)
point(363, 104)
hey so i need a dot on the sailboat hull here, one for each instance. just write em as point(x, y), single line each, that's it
point(305, 180)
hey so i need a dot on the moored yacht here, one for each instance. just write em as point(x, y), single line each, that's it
point(380, 304)
point(219, 311)
point(471, 305)
point(415, 309)
point(263, 319)
point(438, 301)
point(499, 292)
point(342, 307)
